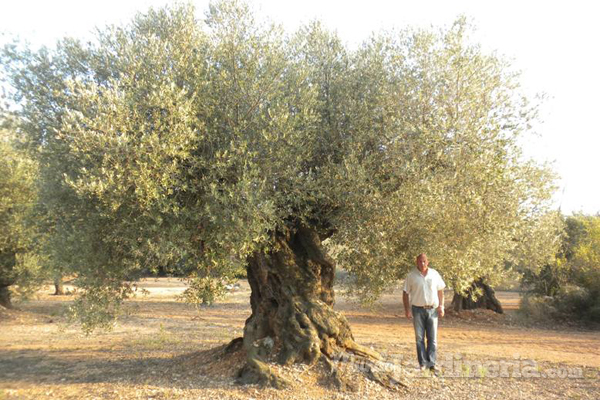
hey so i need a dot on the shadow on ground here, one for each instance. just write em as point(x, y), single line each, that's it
point(187, 370)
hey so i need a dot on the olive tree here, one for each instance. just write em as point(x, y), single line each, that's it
point(225, 143)
point(19, 270)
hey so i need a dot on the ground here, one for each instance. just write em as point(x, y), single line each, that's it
point(166, 349)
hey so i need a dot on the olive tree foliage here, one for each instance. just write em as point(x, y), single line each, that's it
point(173, 140)
point(445, 174)
point(19, 268)
point(586, 254)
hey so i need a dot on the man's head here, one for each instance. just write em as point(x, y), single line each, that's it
point(422, 263)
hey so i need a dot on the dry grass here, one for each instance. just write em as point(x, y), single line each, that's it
point(168, 349)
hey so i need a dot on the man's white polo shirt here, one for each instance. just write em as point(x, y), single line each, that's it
point(422, 290)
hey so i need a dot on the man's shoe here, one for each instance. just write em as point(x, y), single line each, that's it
point(434, 371)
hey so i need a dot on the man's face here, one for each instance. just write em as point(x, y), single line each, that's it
point(422, 264)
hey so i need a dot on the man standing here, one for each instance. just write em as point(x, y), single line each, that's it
point(423, 299)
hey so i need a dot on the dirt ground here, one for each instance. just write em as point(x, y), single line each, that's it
point(166, 349)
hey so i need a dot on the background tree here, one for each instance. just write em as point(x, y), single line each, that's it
point(566, 288)
point(536, 259)
point(225, 143)
point(586, 269)
point(19, 271)
point(549, 275)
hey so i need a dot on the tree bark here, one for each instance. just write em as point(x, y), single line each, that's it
point(292, 307)
point(8, 260)
point(58, 286)
point(486, 300)
point(5, 297)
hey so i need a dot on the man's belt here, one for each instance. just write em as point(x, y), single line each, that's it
point(425, 307)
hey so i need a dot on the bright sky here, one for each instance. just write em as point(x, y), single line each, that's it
point(551, 42)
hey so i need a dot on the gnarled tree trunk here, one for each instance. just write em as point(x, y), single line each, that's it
point(487, 299)
point(292, 307)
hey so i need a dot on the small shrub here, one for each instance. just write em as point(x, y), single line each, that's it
point(594, 313)
point(241, 273)
point(538, 308)
point(574, 303)
point(204, 291)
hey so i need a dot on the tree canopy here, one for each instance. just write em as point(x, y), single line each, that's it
point(18, 173)
point(191, 142)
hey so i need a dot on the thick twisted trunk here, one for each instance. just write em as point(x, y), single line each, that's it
point(292, 307)
point(486, 300)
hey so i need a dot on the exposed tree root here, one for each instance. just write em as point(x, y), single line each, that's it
point(233, 346)
point(337, 378)
point(353, 347)
point(256, 369)
point(371, 367)
point(340, 370)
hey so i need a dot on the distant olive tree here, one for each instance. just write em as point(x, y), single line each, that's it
point(584, 263)
point(224, 143)
point(567, 287)
point(19, 270)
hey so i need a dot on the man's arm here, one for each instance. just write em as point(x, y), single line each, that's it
point(441, 311)
point(406, 303)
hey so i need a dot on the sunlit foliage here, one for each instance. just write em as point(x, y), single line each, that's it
point(187, 142)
